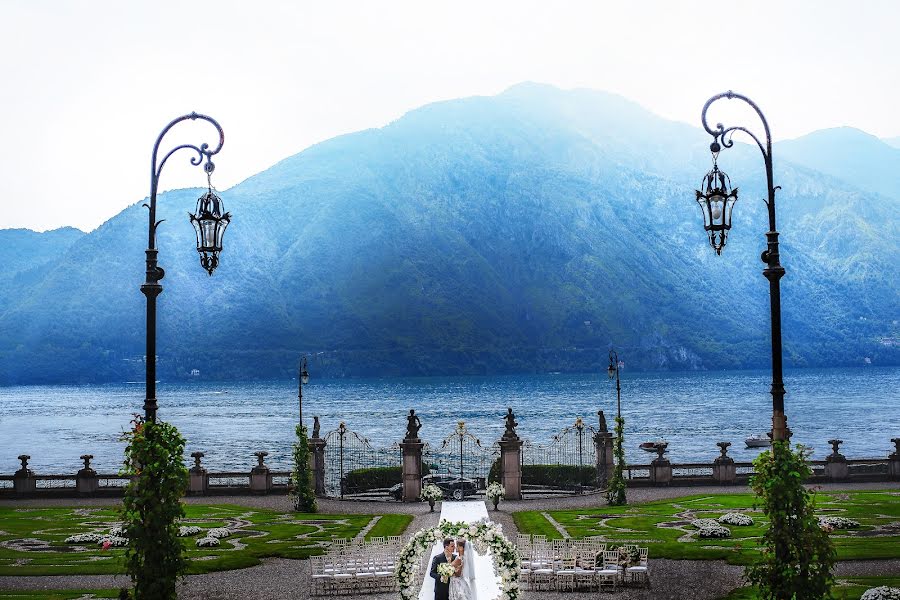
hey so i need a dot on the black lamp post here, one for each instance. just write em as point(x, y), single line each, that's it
point(717, 202)
point(209, 223)
point(302, 379)
point(613, 371)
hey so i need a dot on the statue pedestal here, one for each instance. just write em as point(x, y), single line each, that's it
point(317, 464)
point(724, 471)
point(411, 451)
point(260, 477)
point(836, 463)
point(511, 467)
point(603, 442)
point(661, 468)
point(23, 479)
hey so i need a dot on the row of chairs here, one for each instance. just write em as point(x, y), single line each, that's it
point(356, 567)
point(569, 565)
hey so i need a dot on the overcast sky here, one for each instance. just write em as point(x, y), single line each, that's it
point(85, 87)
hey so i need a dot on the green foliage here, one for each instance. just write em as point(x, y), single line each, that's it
point(615, 492)
point(154, 559)
point(797, 555)
point(363, 480)
point(302, 490)
point(562, 476)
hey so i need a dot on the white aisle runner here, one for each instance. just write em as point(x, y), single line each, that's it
point(486, 582)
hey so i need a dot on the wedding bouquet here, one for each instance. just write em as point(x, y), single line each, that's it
point(446, 571)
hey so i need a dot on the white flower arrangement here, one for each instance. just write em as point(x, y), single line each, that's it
point(188, 530)
point(84, 538)
point(218, 532)
point(113, 541)
point(207, 542)
point(736, 519)
point(701, 523)
point(495, 491)
point(486, 535)
point(881, 593)
point(714, 531)
point(431, 493)
point(445, 571)
point(838, 523)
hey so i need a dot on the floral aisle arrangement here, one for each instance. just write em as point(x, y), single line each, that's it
point(736, 519)
point(495, 492)
point(881, 593)
point(486, 535)
point(431, 494)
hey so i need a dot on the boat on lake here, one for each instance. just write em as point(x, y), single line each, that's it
point(758, 440)
point(651, 446)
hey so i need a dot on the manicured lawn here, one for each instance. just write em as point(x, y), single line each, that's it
point(57, 595)
point(847, 588)
point(32, 539)
point(664, 526)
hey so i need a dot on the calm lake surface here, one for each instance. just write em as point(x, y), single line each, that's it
point(230, 420)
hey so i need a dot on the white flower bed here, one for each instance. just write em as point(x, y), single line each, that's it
point(188, 530)
point(84, 538)
point(838, 522)
point(881, 593)
point(736, 519)
point(117, 532)
point(114, 541)
point(218, 532)
point(487, 535)
point(207, 542)
point(714, 531)
point(701, 523)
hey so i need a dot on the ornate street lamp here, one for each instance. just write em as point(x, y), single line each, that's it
point(209, 223)
point(302, 379)
point(717, 202)
point(613, 371)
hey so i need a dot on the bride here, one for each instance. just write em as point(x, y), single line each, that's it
point(462, 584)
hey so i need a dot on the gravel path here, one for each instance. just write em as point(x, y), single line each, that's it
point(283, 578)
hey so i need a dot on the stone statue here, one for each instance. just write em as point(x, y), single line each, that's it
point(413, 425)
point(510, 433)
point(316, 429)
point(603, 428)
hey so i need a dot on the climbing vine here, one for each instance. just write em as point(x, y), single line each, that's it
point(302, 492)
point(797, 554)
point(154, 457)
point(615, 492)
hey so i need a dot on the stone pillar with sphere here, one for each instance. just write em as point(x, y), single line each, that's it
point(411, 456)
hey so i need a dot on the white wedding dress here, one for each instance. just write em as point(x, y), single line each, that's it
point(463, 587)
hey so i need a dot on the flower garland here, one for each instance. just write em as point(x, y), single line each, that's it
point(487, 535)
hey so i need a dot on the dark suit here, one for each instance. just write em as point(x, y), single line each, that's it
point(441, 589)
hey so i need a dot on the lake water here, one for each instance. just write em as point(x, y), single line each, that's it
point(230, 420)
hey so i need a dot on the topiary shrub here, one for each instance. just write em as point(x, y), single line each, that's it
point(302, 493)
point(797, 554)
point(154, 559)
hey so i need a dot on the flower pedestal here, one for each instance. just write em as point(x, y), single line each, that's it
point(431, 505)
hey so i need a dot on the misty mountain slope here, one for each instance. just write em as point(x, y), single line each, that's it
point(516, 233)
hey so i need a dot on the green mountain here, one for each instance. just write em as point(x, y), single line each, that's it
point(524, 232)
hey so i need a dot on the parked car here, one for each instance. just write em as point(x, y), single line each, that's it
point(452, 486)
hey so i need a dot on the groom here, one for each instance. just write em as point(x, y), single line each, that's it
point(441, 589)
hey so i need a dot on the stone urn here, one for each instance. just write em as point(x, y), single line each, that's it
point(431, 505)
point(496, 501)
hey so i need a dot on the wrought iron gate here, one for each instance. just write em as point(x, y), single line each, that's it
point(462, 455)
point(567, 462)
point(354, 467)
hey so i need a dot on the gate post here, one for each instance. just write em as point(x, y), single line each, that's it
point(603, 442)
point(511, 459)
point(317, 459)
point(411, 452)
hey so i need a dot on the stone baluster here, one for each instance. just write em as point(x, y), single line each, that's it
point(724, 471)
point(260, 477)
point(836, 467)
point(894, 460)
point(661, 468)
point(24, 482)
point(86, 481)
point(511, 459)
point(199, 482)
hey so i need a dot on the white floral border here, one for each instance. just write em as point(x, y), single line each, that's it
point(486, 535)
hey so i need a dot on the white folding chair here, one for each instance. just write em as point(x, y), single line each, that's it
point(641, 571)
point(608, 573)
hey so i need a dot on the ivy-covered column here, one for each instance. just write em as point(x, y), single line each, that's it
point(317, 459)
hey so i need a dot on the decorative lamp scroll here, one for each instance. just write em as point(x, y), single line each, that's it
point(716, 199)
